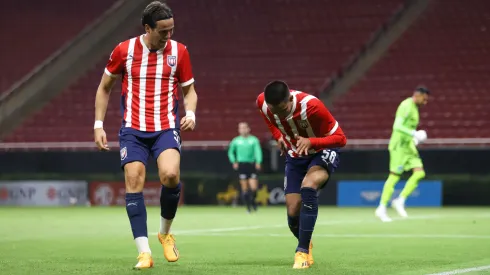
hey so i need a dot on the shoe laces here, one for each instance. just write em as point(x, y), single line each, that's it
point(141, 256)
point(169, 239)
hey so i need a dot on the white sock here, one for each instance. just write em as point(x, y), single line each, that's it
point(402, 200)
point(165, 225)
point(142, 244)
point(382, 207)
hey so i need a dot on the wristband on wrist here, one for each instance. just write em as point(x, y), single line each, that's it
point(99, 124)
point(191, 115)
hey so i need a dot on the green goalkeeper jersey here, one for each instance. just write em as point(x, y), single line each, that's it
point(245, 149)
point(406, 122)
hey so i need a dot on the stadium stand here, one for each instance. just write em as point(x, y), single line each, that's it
point(233, 58)
point(446, 50)
point(41, 29)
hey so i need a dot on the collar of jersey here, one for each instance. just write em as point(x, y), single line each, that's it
point(146, 48)
point(294, 106)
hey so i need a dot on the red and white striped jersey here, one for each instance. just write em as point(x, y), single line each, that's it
point(309, 118)
point(149, 82)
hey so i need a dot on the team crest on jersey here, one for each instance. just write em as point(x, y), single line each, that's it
point(303, 124)
point(171, 60)
point(124, 153)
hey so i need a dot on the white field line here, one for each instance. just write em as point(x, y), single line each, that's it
point(207, 231)
point(462, 271)
point(339, 236)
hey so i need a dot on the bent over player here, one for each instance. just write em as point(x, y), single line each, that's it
point(310, 137)
point(245, 154)
point(403, 153)
point(152, 66)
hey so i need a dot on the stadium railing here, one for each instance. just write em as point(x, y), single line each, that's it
point(351, 143)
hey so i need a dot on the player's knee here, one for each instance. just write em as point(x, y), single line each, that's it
point(294, 207)
point(315, 178)
point(314, 182)
point(134, 181)
point(169, 178)
point(253, 184)
point(419, 174)
point(244, 186)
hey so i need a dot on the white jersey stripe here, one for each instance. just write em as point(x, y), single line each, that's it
point(264, 110)
point(142, 93)
point(279, 125)
point(304, 116)
point(158, 91)
point(335, 127)
point(129, 95)
point(293, 126)
point(171, 80)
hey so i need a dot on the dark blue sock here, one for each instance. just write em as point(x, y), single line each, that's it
point(253, 196)
point(169, 201)
point(136, 209)
point(309, 212)
point(246, 200)
point(293, 223)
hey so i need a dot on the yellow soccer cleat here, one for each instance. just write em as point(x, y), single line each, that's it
point(310, 254)
point(144, 261)
point(170, 251)
point(301, 261)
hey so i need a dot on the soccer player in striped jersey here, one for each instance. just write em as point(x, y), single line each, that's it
point(310, 137)
point(151, 66)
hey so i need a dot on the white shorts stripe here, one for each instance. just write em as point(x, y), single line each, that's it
point(129, 95)
point(171, 81)
point(158, 91)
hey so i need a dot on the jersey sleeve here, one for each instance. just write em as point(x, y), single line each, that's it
point(320, 117)
point(401, 116)
point(276, 133)
point(231, 151)
point(115, 63)
point(257, 151)
point(184, 74)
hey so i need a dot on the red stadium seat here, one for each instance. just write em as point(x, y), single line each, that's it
point(446, 50)
point(33, 30)
point(235, 51)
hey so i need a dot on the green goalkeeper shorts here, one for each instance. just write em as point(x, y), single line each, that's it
point(402, 160)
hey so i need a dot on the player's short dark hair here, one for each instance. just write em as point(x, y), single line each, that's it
point(156, 11)
point(276, 92)
point(422, 90)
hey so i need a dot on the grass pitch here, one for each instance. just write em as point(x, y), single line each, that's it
point(219, 240)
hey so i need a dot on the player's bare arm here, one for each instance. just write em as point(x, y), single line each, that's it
point(101, 102)
point(188, 122)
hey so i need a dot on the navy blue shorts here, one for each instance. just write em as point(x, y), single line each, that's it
point(137, 145)
point(296, 168)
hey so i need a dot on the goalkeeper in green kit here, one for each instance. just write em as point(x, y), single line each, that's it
point(404, 155)
point(245, 154)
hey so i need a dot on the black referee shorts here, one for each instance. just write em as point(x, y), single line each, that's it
point(246, 170)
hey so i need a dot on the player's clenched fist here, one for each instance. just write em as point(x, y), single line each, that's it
point(303, 145)
point(101, 139)
point(188, 123)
